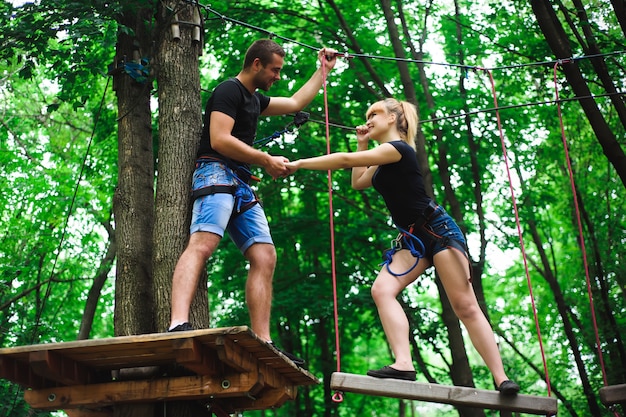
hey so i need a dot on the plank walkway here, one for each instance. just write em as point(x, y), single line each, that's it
point(462, 396)
point(229, 367)
point(613, 394)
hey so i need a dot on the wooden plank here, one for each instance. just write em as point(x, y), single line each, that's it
point(58, 368)
point(454, 395)
point(126, 392)
point(613, 394)
point(134, 369)
point(272, 398)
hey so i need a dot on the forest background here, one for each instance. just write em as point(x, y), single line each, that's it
point(100, 114)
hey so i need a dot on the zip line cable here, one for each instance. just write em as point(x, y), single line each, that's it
point(271, 35)
point(347, 55)
point(487, 110)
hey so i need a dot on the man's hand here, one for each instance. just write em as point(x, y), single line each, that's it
point(276, 167)
point(328, 58)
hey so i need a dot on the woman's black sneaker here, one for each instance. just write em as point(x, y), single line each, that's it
point(508, 387)
point(389, 372)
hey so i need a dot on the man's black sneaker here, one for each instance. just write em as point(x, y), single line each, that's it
point(508, 387)
point(293, 358)
point(181, 328)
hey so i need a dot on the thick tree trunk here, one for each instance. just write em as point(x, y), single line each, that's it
point(180, 126)
point(557, 40)
point(133, 200)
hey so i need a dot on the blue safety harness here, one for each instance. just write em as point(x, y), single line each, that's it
point(405, 240)
point(245, 197)
point(408, 240)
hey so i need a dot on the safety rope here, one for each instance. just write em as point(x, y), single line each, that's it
point(579, 223)
point(299, 119)
point(519, 228)
point(408, 238)
point(338, 395)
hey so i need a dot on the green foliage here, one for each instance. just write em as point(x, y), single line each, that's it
point(53, 56)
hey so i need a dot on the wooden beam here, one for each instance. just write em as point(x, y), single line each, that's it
point(197, 357)
point(55, 367)
point(233, 355)
point(464, 396)
point(267, 399)
point(126, 392)
point(20, 373)
point(82, 412)
point(613, 394)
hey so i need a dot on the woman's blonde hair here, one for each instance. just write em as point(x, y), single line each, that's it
point(406, 117)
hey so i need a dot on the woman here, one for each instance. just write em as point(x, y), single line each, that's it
point(429, 236)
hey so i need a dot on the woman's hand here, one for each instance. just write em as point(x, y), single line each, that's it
point(362, 136)
point(292, 167)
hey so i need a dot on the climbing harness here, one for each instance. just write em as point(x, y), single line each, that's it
point(408, 240)
point(244, 195)
point(299, 119)
point(405, 240)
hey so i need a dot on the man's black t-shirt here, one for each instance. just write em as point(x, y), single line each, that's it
point(233, 99)
point(402, 186)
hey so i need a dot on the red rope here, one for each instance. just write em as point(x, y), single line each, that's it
point(337, 396)
point(580, 227)
point(519, 229)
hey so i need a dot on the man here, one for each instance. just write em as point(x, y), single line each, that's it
point(224, 200)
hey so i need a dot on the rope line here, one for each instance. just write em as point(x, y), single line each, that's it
point(583, 249)
point(519, 229)
point(69, 212)
point(337, 396)
point(271, 34)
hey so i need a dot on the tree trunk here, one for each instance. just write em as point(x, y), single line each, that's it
point(133, 199)
point(557, 40)
point(546, 272)
point(180, 126)
point(94, 292)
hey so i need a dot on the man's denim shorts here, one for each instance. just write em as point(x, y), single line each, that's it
point(216, 213)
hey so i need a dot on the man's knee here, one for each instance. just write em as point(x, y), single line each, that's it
point(261, 254)
point(203, 244)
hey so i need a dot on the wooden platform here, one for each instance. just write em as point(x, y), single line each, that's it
point(229, 367)
point(613, 394)
point(464, 396)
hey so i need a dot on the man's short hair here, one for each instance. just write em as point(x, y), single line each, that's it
point(264, 49)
